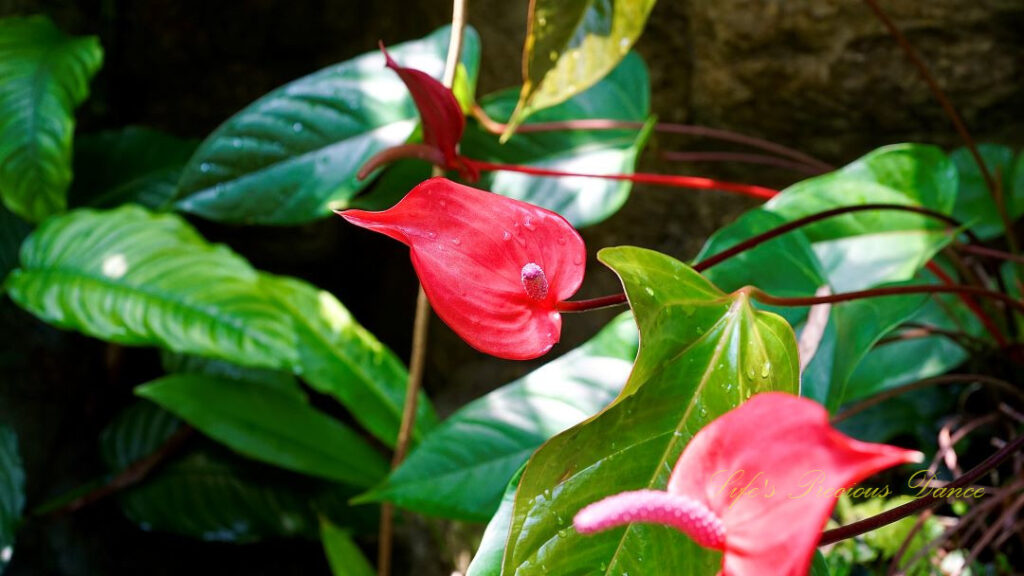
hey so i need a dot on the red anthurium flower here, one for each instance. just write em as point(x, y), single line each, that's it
point(758, 483)
point(493, 268)
point(442, 119)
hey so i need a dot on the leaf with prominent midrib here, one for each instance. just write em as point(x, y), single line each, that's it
point(142, 279)
point(624, 94)
point(570, 45)
point(340, 358)
point(272, 426)
point(702, 353)
point(44, 76)
point(292, 155)
point(460, 469)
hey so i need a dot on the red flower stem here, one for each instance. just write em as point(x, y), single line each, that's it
point(954, 116)
point(495, 127)
point(971, 304)
point(766, 298)
point(946, 379)
point(763, 159)
point(812, 218)
point(923, 503)
point(389, 155)
point(591, 304)
point(990, 253)
point(642, 178)
point(421, 321)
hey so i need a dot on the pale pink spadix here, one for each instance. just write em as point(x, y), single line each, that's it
point(684, 514)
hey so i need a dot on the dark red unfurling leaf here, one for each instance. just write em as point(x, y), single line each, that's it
point(768, 473)
point(440, 113)
point(493, 267)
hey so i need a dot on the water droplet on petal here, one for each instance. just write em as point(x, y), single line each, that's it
point(562, 240)
point(623, 45)
point(506, 235)
point(577, 260)
point(236, 142)
point(431, 234)
point(442, 203)
point(766, 370)
point(205, 167)
point(528, 223)
point(297, 127)
point(456, 241)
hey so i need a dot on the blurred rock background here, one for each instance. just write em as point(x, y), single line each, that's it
point(821, 76)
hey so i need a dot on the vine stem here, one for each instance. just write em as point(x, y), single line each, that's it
point(495, 127)
point(943, 380)
point(421, 322)
point(954, 117)
point(762, 159)
point(766, 298)
point(816, 217)
point(693, 182)
point(923, 503)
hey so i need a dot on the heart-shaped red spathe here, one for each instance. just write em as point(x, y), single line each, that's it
point(758, 483)
point(492, 267)
point(440, 113)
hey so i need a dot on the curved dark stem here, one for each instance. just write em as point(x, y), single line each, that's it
point(990, 253)
point(806, 220)
point(591, 304)
point(389, 155)
point(858, 407)
point(923, 503)
point(766, 298)
point(496, 127)
point(954, 116)
point(131, 475)
point(763, 159)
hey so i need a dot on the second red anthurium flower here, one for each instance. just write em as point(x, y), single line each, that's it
point(493, 268)
point(758, 483)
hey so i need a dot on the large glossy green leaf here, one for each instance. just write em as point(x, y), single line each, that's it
point(853, 329)
point(293, 154)
point(12, 493)
point(283, 382)
point(340, 358)
point(702, 352)
point(623, 95)
point(460, 469)
point(850, 246)
point(132, 165)
point(268, 425)
point(136, 278)
point(343, 555)
point(487, 560)
point(974, 202)
point(44, 75)
point(571, 44)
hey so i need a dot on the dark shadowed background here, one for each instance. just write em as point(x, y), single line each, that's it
point(820, 76)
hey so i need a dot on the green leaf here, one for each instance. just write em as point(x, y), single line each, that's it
point(141, 279)
point(848, 246)
point(570, 45)
point(12, 493)
point(45, 77)
point(623, 95)
point(208, 496)
point(343, 555)
point(340, 358)
point(271, 426)
point(292, 155)
point(702, 352)
point(487, 561)
point(784, 266)
point(460, 469)
point(132, 165)
point(135, 433)
point(819, 566)
point(283, 382)
point(853, 329)
point(974, 202)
